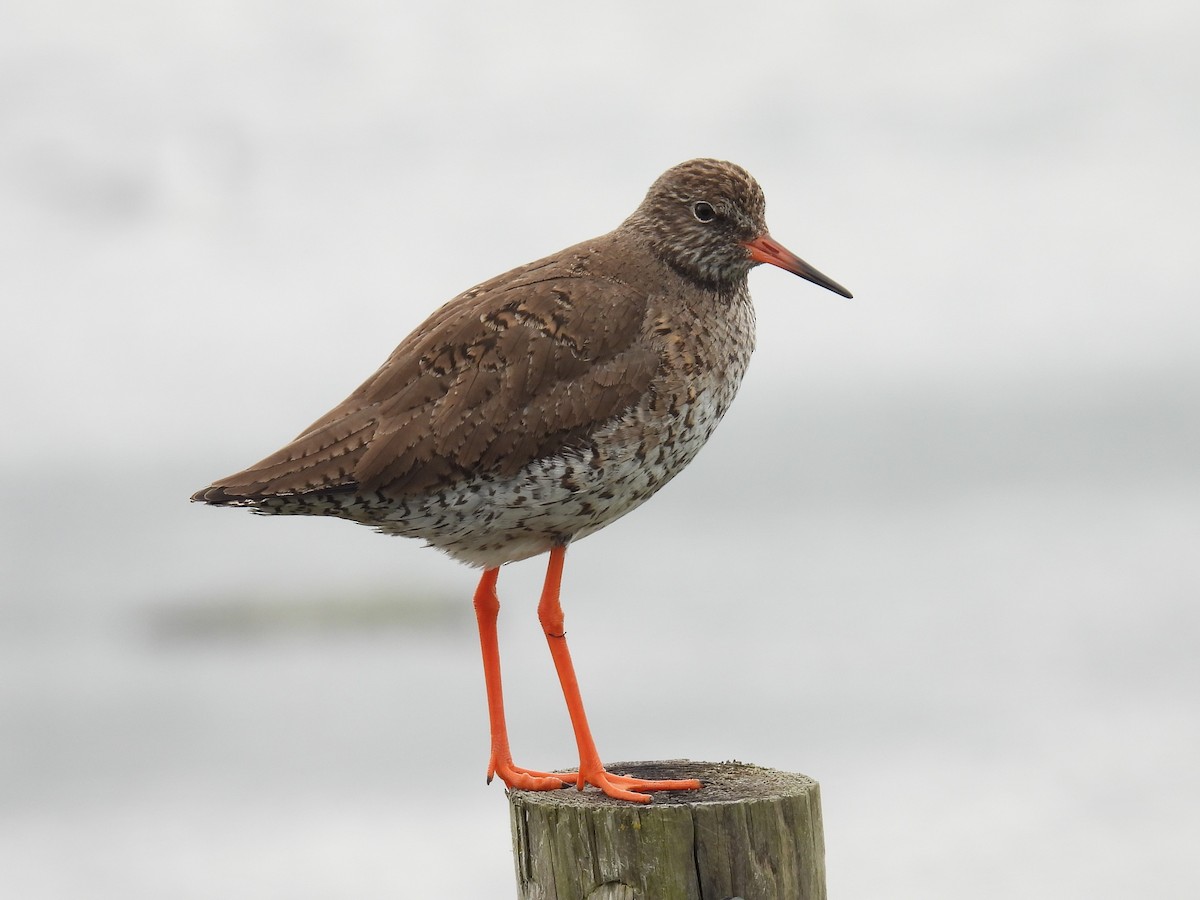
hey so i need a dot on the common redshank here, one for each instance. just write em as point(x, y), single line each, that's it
point(539, 406)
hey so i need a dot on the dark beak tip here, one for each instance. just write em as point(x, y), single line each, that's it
point(830, 285)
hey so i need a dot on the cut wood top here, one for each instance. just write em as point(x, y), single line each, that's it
point(723, 782)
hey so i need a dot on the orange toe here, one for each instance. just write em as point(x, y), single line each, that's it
point(525, 779)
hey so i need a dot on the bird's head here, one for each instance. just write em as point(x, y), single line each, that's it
point(707, 219)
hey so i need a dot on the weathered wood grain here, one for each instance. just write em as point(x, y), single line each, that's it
point(749, 833)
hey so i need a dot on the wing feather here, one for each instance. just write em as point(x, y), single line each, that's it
point(511, 371)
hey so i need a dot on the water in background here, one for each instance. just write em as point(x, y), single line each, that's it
point(941, 556)
point(205, 703)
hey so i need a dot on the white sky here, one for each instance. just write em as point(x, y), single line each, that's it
point(220, 217)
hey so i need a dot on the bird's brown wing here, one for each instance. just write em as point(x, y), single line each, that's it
point(509, 372)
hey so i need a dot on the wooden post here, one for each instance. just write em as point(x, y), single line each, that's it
point(748, 833)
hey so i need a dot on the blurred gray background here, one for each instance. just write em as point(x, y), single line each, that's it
point(942, 555)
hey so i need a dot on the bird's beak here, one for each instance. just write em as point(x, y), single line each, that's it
point(765, 249)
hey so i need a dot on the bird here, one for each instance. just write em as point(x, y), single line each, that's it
point(540, 406)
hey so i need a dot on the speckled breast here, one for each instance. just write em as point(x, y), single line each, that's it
point(488, 521)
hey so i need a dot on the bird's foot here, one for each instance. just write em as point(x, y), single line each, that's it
point(619, 787)
point(526, 779)
point(626, 787)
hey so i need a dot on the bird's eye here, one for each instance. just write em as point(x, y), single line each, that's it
point(703, 211)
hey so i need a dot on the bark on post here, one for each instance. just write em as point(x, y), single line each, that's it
point(748, 833)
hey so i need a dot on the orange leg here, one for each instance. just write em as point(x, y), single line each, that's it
point(487, 609)
point(591, 770)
